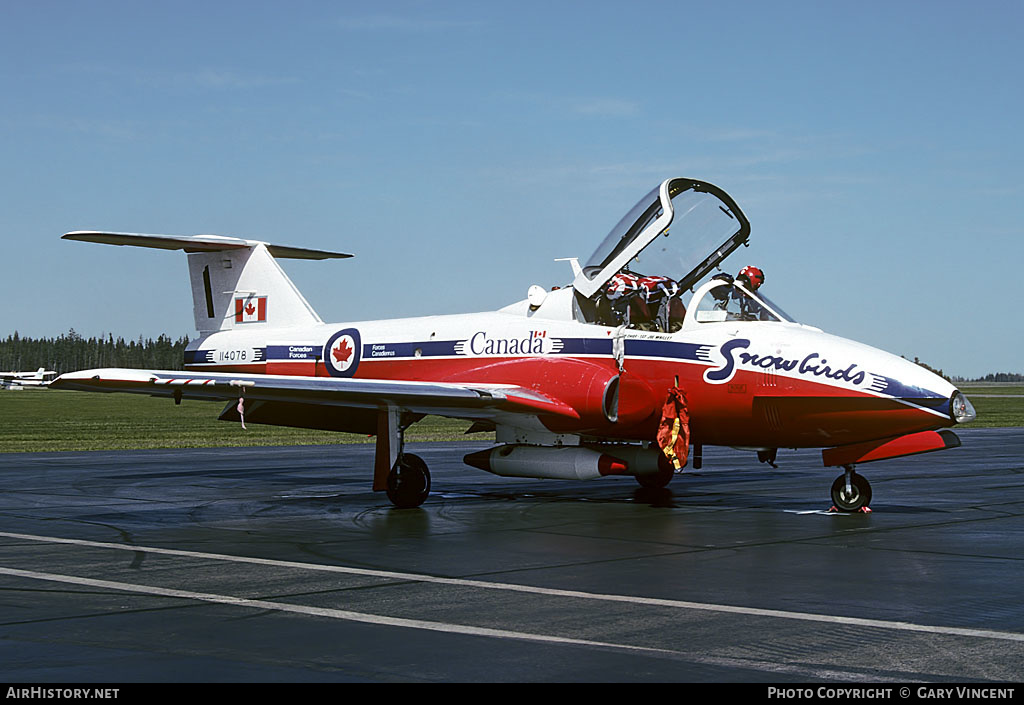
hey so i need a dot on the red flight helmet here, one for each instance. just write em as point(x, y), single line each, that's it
point(754, 275)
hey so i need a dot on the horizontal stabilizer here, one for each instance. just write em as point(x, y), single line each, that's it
point(198, 243)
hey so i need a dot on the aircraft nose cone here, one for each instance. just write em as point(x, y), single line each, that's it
point(961, 408)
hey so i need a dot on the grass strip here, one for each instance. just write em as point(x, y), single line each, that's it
point(61, 420)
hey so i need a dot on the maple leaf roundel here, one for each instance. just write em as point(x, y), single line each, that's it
point(342, 353)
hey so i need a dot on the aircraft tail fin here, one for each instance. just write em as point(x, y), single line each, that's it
point(236, 283)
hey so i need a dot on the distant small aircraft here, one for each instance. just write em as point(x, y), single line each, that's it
point(642, 355)
point(14, 380)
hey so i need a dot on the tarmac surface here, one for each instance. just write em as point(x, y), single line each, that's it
point(280, 565)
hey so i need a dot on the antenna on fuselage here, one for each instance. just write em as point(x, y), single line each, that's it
point(574, 262)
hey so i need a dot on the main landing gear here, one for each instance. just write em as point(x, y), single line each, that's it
point(851, 492)
point(403, 476)
point(408, 481)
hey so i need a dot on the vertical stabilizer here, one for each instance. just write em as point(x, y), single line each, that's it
point(244, 288)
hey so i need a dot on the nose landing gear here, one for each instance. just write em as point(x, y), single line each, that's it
point(851, 492)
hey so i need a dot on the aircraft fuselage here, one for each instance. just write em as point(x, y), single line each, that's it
point(748, 383)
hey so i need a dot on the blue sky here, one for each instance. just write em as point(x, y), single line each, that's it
point(457, 148)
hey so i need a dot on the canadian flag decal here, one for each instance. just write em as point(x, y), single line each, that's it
point(251, 309)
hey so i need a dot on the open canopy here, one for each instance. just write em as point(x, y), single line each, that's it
point(681, 230)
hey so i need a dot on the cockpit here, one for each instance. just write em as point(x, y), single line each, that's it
point(643, 272)
point(728, 300)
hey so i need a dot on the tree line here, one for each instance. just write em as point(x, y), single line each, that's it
point(70, 352)
point(993, 377)
point(999, 377)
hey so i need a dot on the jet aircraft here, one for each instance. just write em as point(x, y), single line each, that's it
point(646, 353)
point(14, 380)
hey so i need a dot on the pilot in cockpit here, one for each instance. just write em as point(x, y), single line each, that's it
point(739, 305)
point(751, 277)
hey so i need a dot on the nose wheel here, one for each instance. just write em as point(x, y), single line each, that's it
point(851, 492)
point(408, 481)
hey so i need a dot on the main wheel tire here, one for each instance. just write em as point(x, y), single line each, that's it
point(408, 482)
point(855, 500)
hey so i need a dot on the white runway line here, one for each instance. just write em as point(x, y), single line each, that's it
point(552, 592)
point(323, 611)
point(381, 620)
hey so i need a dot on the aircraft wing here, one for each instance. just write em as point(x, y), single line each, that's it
point(23, 375)
point(335, 403)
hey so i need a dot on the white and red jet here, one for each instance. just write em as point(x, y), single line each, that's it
point(592, 379)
